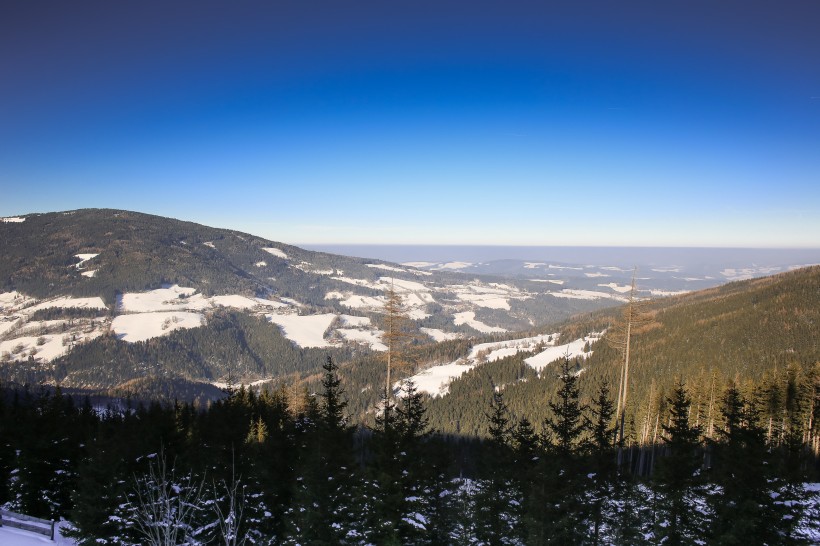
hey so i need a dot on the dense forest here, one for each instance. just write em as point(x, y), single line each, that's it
point(282, 467)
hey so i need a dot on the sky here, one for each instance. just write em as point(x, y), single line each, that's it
point(465, 123)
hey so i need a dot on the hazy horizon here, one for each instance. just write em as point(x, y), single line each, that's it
point(619, 256)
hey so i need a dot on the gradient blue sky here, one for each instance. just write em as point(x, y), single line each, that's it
point(507, 123)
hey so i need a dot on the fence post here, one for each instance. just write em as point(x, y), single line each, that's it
point(52, 529)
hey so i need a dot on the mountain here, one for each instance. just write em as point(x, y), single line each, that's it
point(131, 304)
point(96, 298)
point(760, 333)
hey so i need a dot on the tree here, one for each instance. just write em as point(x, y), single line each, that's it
point(619, 336)
point(324, 510)
point(498, 499)
point(743, 504)
point(163, 509)
point(604, 475)
point(679, 473)
point(564, 474)
point(395, 337)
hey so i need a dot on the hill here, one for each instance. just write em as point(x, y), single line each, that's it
point(761, 333)
point(95, 298)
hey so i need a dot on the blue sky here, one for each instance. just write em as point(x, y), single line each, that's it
point(491, 123)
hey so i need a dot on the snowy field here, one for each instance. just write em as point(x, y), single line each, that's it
point(436, 379)
point(468, 318)
point(142, 326)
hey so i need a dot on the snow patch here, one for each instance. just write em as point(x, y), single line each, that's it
point(304, 330)
point(468, 318)
point(142, 326)
point(573, 348)
point(276, 252)
point(440, 335)
point(13, 220)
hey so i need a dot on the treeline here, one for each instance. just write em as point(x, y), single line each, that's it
point(282, 468)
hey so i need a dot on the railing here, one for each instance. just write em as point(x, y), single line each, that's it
point(27, 523)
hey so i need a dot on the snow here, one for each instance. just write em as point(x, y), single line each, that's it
point(210, 245)
point(240, 302)
point(67, 301)
point(595, 275)
point(657, 292)
point(553, 281)
point(468, 318)
point(168, 298)
point(261, 264)
point(436, 379)
point(89, 273)
point(620, 288)
point(533, 265)
point(142, 326)
point(440, 335)
point(585, 295)
point(52, 348)
point(354, 301)
point(305, 330)
point(454, 265)
point(373, 338)
point(272, 303)
point(551, 354)
point(386, 267)
point(84, 258)
point(354, 321)
point(419, 264)
point(13, 220)
point(276, 252)
point(11, 301)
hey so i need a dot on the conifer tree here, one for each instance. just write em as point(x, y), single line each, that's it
point(678, 475)
point(604, 471)
point(325, 512)
point(498, 498)
point(564, 474)
point(744, 507)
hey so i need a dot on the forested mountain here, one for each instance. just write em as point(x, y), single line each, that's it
point(95, 298)
point(124, 303)
point(760, 333)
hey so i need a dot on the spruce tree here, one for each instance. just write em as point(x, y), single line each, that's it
point(743, 505)
point(678, 475)
point(498, 497)
point(564, 472)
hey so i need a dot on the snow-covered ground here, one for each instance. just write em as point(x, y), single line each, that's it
point(586, 295)
point(492, 295)
point(305, 330)
point(142, 326)
point(468, 318)
point(66, 301)
point(571, 349)
point(440, 335)
point(276, 252)
point(436, 379)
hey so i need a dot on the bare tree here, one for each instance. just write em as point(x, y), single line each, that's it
point(619, 336)
point(165, 506)
point(395, 336)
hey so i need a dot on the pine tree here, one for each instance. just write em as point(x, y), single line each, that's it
point(564, 473)
point(604, 475)
point(324, 510)
point(743, 504)
point(498, 498)
point(678, 475)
